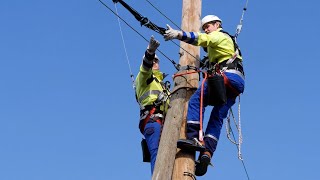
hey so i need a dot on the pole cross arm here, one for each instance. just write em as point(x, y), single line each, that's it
point(144, 21)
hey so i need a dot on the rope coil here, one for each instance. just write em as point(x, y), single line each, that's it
point(238, 126)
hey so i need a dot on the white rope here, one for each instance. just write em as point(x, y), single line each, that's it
point(238, 126)
point(128, 61)
point(125, 49)
point(239, 131)
point(239, 27)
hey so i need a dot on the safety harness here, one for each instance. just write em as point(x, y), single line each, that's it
point(152, 112)
point(233, 65)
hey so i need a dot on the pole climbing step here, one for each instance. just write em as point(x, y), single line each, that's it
point(190, 145)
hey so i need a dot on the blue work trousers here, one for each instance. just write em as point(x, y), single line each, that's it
point(217, 115)
point(152, 132)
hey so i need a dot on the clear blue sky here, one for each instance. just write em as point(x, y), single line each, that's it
point(67, 107)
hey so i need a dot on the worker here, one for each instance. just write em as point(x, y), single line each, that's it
point(152, 96)
point(224, 57)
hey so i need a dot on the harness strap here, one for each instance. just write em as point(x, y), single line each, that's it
point(235, 67)
point(234, 92)
point(151, 115)
point(162, 95)
point(236, 47)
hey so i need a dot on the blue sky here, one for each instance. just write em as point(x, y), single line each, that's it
point(67, 107)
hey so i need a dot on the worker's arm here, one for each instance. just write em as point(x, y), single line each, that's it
point(194, 38)
point(148, 58)
point(149, 55)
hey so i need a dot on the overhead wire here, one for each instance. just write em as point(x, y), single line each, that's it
point(172, 61)
point(164, 15)
point(177, 66)
point(146, 22)
point(177, 27)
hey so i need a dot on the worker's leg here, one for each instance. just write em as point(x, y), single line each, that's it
point(215, 123)
point(152, 133)
point(193, 114)
point(219, 113)
point(211, 137)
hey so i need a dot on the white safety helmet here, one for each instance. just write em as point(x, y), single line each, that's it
point(209, 18)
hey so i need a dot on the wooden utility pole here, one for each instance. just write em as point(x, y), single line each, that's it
point(171, 162)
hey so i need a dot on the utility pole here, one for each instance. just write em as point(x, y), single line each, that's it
point(172, 163)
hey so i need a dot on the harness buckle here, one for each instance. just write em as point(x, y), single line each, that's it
point(144, 115)
point(162, 97)
point(156, 115)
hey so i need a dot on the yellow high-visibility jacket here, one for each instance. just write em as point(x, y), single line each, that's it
point(148, 86)
point(219, 45)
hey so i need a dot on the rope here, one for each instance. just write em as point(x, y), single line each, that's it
point(125, 49)
point(240, 140)
point(238, 126)
point(239, 27)
point(201, 105)
point(181, 74)
point(229, 129)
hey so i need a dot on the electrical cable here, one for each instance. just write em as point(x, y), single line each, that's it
point(172, 61)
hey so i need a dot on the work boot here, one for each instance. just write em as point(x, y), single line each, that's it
point(202, 164)
point(190, 144)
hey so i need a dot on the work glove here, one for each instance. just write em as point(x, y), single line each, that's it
point(153, 45)
point(171, 33)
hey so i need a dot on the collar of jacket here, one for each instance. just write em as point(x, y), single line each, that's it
point(218, 30)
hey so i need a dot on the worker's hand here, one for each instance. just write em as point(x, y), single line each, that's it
point(171, 34)
point(153, 45)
